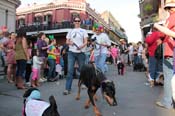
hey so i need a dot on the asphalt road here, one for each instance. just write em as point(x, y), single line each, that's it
point(135, 98)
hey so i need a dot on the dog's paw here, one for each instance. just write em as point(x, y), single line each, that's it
point(98, 114)
point(86, 106)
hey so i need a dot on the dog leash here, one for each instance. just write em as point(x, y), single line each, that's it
point(78, 48)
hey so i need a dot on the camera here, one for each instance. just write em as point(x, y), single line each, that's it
point(94, 39)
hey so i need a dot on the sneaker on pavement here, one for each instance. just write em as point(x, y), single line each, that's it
point(160, 104)
point(28, 84)
point(41, 80)
point(66, 92)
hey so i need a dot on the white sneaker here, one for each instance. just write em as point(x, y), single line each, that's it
point(42, 80)
point(28, 83)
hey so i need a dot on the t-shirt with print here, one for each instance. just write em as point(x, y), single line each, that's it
point(41, 43)
point(77, 36)
point(53, 50)
point(101, 39)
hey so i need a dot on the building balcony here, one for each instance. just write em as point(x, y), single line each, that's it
point(149, 7)
point(35, 27)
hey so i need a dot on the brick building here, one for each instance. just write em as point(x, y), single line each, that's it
point(56, 18)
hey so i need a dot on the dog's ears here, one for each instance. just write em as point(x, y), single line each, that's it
point(52, 102)
point(53, 106)
point(28, 92)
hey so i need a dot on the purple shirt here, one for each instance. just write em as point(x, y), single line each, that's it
point(41, 43)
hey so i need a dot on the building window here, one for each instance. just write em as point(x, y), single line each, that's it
point(6, 17)
point(21, 22)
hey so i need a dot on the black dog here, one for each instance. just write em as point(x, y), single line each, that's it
point(34, 106)
point(120, 67)
point(93, 79)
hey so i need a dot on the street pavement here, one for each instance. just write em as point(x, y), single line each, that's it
point(134, 96)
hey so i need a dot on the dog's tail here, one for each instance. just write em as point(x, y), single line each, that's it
point(53, 106)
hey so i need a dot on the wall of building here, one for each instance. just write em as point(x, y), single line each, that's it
point(8, 14)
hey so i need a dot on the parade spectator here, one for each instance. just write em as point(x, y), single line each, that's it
point(155, 65)
point(36, 65)
point(4, 39)
point(131, 50)
point(101, 41)
point(77, 40)
point(58, 65)
point(52, 60)
point(1, 50)
point(170, 33)
point(124, 53)
point(29, 63)
point(168, 43)
point(114, 53)
point(42, 47)
point(64, 54)
point(135, 55)
point(139, 52)
point(10, 51)
point(21, 57)
point(145, 57)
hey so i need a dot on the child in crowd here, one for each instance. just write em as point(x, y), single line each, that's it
point(58, 66)
point(35, 68)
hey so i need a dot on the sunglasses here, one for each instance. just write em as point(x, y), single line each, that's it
point(76, 20)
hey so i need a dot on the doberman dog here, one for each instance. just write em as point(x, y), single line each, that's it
point(34, 106)
point(94, 79)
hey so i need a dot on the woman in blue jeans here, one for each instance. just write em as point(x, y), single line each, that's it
point(77, 40)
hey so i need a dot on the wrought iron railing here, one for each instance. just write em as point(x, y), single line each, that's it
point(52, 26)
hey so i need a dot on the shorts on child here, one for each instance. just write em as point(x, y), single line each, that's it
point(35, 73)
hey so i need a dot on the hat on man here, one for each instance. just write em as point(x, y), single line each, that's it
point(98, 27)
point(169, 4)
point(51, 37)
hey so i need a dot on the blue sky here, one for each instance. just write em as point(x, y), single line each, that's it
point(125, 11)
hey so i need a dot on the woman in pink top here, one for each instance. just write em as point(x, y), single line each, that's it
point(114, 53)
point(10, 46)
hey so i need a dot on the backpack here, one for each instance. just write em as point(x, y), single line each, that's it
point(159, 52)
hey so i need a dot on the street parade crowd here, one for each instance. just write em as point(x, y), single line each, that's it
point(31, 63)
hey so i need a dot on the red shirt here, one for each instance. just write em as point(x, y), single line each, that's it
point(168, 42)
point(151, 41)
point(57, 57)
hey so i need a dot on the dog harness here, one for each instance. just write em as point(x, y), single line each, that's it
point(35, 107)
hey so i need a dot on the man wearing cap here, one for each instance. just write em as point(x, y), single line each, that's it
point(101, 41)
point(168, 43)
